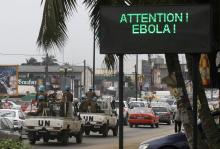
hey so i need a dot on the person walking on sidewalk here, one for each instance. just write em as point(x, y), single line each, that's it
point(177, 120)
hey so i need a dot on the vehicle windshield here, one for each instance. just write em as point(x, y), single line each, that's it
point(137, 104)
point(5, 124)
point(7, 113)
point(159, 109)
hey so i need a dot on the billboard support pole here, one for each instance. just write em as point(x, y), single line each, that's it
point(195, 91)
point(121, 76)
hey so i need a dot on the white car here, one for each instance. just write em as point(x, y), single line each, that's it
point(15, 116)
point(13, 105)
point(125, 110)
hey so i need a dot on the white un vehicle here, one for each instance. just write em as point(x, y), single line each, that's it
point(101, 121)
point(53, 126)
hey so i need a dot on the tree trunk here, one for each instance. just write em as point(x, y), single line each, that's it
point(208, 123)
point(185, 108)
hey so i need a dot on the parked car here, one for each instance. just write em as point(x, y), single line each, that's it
point(15, 116)
point(125, 110)
point(143, 116)
point(7, 130)
point(13, 105)
point(173, 141)
point(164, 114)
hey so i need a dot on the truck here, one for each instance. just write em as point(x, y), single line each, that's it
point(102, 120)
point(54, 126)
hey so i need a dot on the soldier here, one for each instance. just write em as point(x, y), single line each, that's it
point(91, 94)
point(41, 98)
point(89, 105)
point(67, 102)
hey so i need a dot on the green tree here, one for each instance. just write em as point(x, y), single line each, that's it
point(31, 61)
point(51, 60)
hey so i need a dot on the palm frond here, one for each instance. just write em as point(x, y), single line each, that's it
point(110, 61)
point(53, 30)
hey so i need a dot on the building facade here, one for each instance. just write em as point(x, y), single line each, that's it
point(58, 77)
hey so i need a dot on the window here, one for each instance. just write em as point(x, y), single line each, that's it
point(7, 113)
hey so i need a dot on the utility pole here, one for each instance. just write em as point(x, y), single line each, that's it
point(46, 70)
point(136, 77)
point(84, 77)
point(93, 79)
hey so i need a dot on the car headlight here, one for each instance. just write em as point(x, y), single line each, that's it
point(143, 146)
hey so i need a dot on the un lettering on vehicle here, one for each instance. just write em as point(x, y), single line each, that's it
point(88, 118)
point(43, 123)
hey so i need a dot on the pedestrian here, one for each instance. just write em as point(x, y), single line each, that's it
point(1, 104)
point(177, 120)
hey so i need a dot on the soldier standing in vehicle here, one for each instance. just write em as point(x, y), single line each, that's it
point(91, 94)
point(67, 102)
point(89, 105)
point(41, 98)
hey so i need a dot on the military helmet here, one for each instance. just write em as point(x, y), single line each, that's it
point(90, 88)
point(40, 97)
point(67, 88)
point(41, 88)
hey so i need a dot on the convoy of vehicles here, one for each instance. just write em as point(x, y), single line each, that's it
point(136, 113)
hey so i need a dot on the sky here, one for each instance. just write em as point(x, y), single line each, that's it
point(19, 28)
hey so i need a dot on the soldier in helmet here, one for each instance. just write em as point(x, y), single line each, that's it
point(89, 105)
point(90, 94)
point(67, 102)
point(41, 98)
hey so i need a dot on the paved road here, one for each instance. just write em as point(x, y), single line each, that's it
point(132, 138)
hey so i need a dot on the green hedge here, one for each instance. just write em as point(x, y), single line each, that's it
point(12, 144)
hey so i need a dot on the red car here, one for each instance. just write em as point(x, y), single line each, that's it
point(143, 116)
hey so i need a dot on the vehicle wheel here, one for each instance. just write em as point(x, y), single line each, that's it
point(79, 137)
point(152, 125)
point(115, 130)
point(130, 125)
point(32, 141)
point(87, 132)
point(156, 125)
point(65, 138)
point(105, 131)
point(46, 140)
point(136, 126)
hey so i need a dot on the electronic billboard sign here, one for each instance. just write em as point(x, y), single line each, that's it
point(155, 29)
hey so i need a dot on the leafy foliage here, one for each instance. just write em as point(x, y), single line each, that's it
point(12, 144)
point(53, 27)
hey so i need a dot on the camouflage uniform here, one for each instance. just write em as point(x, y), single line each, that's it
point(68, 98)
point(41, 103)
point(89, 105)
